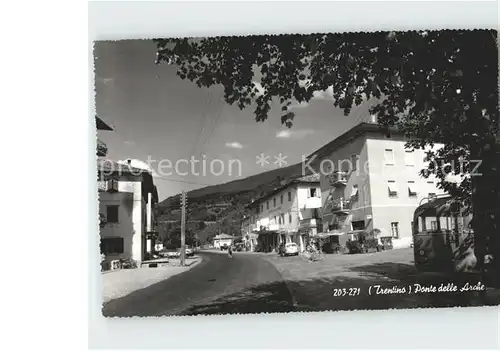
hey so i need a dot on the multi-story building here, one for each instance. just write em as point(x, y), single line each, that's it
point(126, 196)
point(126, 199)
point(370, 181)
point(290, 213)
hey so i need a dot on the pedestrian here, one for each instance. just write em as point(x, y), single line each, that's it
point(230, 252)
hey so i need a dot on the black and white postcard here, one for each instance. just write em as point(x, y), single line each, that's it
point(298, 173)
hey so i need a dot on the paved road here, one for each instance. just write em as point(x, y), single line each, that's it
point(218, 285)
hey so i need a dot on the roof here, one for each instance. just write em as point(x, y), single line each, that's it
point(101, 125)
point(353, 133)
point(308, 179)
point(311, 178)
point(110, 166)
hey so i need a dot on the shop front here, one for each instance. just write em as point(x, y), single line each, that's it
point(267, 241)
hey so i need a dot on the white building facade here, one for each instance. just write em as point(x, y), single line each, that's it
point(370, 181)
point(287, 214)
point(126, 201)
point(222, 240)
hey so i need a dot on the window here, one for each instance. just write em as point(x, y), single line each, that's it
point(281, 199)
point(354, 162)
point(289, 196)
point(290, 217)
point(393, 189)
point(395, 230)
point(111, 245)
point(434, 225)
point(389, 156)
point(412, 190)
point(358, 225)
point(267, 205)
point(262, 208)
point(409, 161)
point(112, 214)
point(282, 218)
point(274, 202)
point(312, 192)
point(354, 191)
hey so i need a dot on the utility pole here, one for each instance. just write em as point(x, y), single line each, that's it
point(183, 228)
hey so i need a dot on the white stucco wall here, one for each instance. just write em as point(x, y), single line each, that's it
point(130, 218)
point(340, 160)
point(401, 208)
point(294, 207)
point(373, 204)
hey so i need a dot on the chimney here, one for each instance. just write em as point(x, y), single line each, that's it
point(373, 119)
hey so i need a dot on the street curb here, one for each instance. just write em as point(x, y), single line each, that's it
point(188, 268)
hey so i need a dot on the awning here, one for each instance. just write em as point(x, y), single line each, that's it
point(412, 188)
point(327, 234)
point(267, 232)
point(392, 187)
point(356, 231)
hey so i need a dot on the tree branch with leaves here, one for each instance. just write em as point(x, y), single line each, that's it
point(434, 86)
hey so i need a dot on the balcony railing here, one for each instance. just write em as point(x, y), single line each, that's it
point(102, 149)
point(310, 223)
point(313, 202)
point(340, 205)
point(337, 178)
point(107, 185)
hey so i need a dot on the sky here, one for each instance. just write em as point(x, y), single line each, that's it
point(159, 117)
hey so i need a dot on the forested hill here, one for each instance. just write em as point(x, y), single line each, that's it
point(219, 207)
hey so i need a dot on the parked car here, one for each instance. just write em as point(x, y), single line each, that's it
point(189, 251)
point(239, 247)
point(289, 249)
point(173, 253)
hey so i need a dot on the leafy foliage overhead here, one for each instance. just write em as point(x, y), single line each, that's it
point(436, 86)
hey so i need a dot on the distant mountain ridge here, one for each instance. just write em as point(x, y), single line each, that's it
point(223, 204)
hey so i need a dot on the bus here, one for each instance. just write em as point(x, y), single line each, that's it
point(443, 239)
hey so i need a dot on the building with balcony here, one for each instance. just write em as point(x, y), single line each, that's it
point(290, 213)
point(127, 196)
point(370, 181)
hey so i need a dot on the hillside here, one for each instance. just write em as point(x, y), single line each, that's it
point(222, 203)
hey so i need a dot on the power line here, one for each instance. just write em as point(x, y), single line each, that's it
point(182, 181)
point(204, 118)
point(219, 113)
